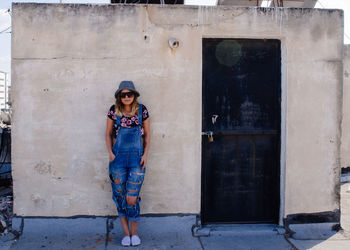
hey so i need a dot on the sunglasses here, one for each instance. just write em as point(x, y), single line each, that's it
point(127, 94)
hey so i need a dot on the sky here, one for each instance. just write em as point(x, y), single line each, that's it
point(5, 21)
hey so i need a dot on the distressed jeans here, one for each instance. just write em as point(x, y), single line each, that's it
point(129, 181)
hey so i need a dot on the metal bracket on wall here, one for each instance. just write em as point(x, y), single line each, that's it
point(198, 230)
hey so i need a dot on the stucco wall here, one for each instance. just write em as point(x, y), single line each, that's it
point(345, 143)
point(67, 60)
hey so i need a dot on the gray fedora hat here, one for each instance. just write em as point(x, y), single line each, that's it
point(126, 85)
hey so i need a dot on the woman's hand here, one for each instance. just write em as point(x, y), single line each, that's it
point(111, 157)
point(109, 138)
point(146, 125)
point(143, 162)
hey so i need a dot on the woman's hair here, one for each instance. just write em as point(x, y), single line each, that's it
point(119, 106)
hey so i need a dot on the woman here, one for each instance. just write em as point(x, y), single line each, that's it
point(128, 140)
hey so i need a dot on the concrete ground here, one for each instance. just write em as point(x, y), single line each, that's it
point(320, 236)
point(170, 232)
point(174, 232)
point(345, 206)
point(245, 237)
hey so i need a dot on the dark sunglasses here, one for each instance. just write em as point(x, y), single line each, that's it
point(127, 94)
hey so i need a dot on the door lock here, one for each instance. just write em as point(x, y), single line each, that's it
point(210, 135)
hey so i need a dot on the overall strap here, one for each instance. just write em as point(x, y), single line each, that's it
point(140, 115)
point(140, 126)
point(118, 121)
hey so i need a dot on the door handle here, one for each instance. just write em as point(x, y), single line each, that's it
point(209, 134)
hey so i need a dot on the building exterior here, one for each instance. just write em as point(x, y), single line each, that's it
point(242, 101)
point(345, 145)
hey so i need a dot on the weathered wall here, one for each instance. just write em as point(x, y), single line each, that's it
point(67, 60)
point(345, 143)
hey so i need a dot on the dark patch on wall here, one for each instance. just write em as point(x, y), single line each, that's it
point(316, 32)
point(42, 167)
point(346, 74)
point(328, 216)
point(337, 189)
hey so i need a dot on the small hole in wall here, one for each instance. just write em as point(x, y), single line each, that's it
point(145, 37)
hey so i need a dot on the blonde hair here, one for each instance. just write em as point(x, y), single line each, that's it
point(119, 106)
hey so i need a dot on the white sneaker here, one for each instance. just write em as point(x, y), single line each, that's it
point(135, 240)
point(126, 241)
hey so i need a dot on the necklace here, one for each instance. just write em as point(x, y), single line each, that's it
point(126, 113)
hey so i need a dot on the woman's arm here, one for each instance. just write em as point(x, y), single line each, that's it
point(109, 138)
point(146, 127)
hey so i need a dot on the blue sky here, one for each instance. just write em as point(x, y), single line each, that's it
point(5, 20)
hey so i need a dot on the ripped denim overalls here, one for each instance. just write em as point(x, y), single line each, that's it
point(125, 169)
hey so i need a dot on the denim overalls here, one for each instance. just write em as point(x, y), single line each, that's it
point(126, 169)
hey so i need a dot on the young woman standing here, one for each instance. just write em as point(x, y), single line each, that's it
point(127, 140)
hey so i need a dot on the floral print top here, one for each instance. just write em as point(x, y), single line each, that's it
point(126, 121)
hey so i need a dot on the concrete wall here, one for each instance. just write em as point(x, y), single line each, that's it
point(345, 143)
point(67, 60)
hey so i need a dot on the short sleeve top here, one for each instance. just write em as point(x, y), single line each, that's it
point(126, 121)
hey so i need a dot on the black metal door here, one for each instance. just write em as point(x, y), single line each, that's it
point(241, 110)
